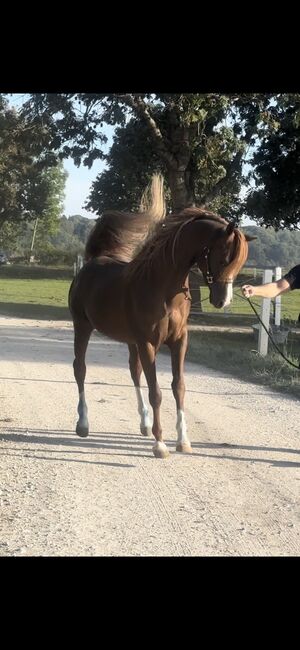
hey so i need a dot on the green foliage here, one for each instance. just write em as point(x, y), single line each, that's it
point(31, 183)
point(273, 248)
point(275, 201)
point(234, 353)
point(132, 162)
point(198, 141)
point(56, 245)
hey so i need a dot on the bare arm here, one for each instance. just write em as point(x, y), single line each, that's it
point(270, 290)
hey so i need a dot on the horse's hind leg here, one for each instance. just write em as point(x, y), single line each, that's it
point(135, 367)
point(82, 333)
point(178, 349)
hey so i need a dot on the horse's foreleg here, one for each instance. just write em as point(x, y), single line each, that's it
point(147, 356)
point(82, 333)
point(135, 367)
point(178, 349)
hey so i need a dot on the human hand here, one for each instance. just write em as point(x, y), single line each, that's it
point(248, 290)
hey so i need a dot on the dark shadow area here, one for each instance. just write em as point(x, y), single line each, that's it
point(122, 444)
point(226, 445)
point(126, 444)
point(29, 272)
point(268, 461)
point(73, 460)
point(31, 310)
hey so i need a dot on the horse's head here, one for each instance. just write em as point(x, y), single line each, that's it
point(221, 262)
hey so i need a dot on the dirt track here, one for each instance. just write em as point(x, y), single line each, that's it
point(237, 494)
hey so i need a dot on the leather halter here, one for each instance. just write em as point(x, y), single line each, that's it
point(207, 274)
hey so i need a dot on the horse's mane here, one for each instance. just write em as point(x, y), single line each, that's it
point(120, 234)
point(239, 256)
point(165, 236)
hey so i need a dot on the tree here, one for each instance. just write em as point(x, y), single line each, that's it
point(51, 201)
point(275, 201)
point(27, 189)
point(45, 205)
point(59, 247)
point(198, 141)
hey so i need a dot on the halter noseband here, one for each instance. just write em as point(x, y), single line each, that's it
point(207, 274)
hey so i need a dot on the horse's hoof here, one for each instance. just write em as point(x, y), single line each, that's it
point(184, 447)
point(160, 450)
point(146, 431)
point(81, 431)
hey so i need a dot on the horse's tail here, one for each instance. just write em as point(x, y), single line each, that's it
point(120, 234)
point(153, 200)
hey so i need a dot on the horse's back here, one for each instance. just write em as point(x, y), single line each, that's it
point(97, 295)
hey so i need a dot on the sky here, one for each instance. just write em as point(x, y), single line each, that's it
point(78, 187)
point(80, 179)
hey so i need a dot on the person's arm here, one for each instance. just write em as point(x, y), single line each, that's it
point(270, 290)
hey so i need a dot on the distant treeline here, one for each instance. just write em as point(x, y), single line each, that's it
point(270, 249)
point(60, 248)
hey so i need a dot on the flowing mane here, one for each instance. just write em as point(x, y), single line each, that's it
point(165, 237)
point(119, 234)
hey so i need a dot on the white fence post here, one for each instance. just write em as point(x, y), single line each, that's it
point(78, 264)
point(278, 298)
point(265, 317)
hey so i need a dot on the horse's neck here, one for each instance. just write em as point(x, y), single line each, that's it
point(191, 241)
point(170, 273)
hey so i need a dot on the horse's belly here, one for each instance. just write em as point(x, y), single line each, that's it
point(113, 325)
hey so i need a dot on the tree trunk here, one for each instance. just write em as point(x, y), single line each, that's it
point(182, 194)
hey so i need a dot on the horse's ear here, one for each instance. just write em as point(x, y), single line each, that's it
point(230, 228)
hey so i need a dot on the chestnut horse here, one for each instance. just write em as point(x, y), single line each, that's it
point(134, 289)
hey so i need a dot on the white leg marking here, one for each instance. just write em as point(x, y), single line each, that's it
point(181, 427)
point(82, 410)
point(142, 408)
point(229, 294)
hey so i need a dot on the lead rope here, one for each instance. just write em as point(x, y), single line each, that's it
point(271, 338)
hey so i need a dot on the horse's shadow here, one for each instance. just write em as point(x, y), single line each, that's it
point(116, 443)
point(123, 444)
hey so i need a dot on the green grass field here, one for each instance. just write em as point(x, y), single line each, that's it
point(36, 292)
point(290, 304)
point(24, 289)
point(236, 353)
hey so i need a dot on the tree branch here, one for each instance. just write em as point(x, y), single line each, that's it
point(141, 109)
